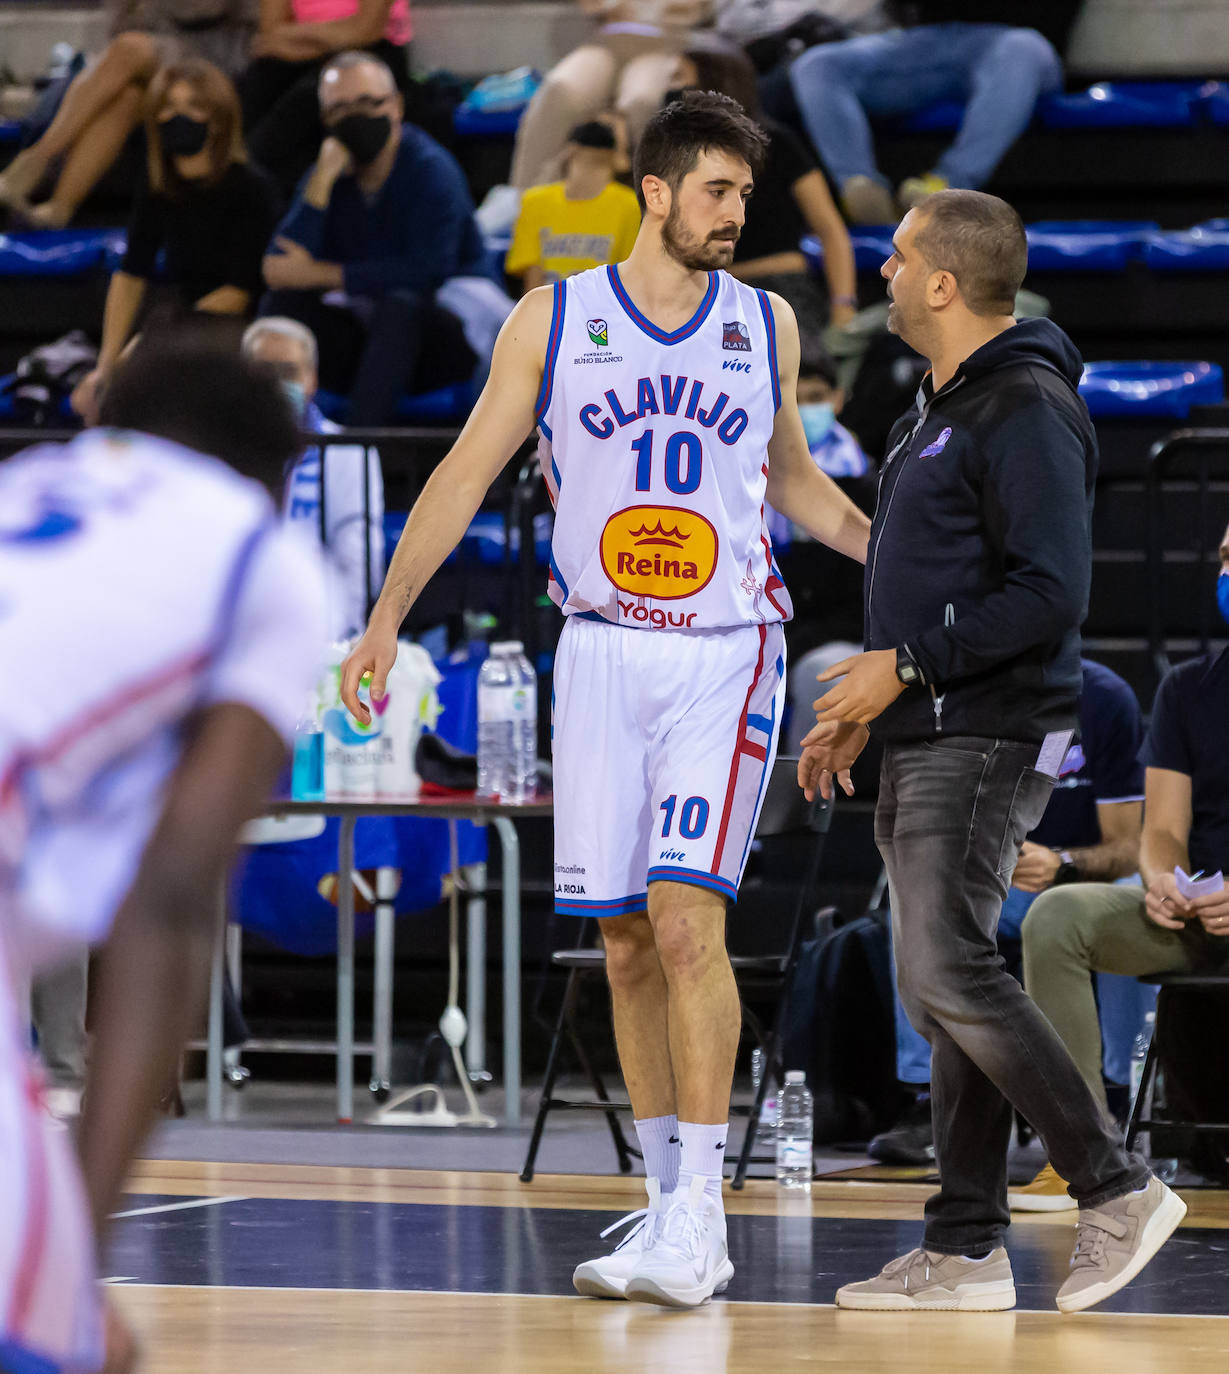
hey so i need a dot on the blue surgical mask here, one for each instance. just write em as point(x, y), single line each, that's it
point(296, 396)
point(817, 419)
point(1222, 595)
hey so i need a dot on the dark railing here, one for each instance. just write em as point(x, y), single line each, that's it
point(1207, 447)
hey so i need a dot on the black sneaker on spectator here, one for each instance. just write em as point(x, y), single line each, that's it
point(910, 1141)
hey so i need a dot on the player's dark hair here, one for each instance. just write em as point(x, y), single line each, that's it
point(193, 389)
point(980, 240)
point(698, 122)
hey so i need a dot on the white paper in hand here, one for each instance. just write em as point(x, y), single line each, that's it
point(1198, 886)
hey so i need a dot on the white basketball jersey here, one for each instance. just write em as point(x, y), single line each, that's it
point(655, 450)
point(138, 582)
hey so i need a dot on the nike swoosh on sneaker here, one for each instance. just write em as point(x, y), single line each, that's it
point(674, 1140)
point(719, 1147)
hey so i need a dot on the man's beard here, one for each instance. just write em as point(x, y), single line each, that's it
point(695, 254)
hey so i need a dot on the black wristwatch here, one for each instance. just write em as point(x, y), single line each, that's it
point(1068, 869)
point(907, 671)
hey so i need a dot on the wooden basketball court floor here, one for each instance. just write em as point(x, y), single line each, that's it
point(267, 1269)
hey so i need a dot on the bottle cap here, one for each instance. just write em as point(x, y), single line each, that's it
point(795, 1076)
point(504, 648)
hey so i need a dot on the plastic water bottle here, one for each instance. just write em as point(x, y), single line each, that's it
point(498, 686)
point(524, 780)
point(307, 771)
point(1165, 1169)
point(795, 1124)
point(767, 1129)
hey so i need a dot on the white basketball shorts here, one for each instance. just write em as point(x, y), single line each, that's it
point(663, 742)
point(50, 1306)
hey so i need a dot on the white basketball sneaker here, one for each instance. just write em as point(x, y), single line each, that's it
point(607, 1276)
point(688, 1261)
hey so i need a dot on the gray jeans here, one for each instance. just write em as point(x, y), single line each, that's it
point(952, 814)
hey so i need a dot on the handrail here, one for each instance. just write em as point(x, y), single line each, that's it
point(1161, 457)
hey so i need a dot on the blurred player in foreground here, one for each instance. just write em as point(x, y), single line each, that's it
point(160, 628)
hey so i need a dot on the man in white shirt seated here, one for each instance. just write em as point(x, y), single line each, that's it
point(332, 500)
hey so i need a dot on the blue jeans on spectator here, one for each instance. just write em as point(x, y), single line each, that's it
point(998, 71)
point(951, 816)
point(1121, 1001)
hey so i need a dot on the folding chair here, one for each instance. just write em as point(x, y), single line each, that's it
point(785, 812)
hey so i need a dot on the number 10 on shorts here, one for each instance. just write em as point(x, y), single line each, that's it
point(693, 817)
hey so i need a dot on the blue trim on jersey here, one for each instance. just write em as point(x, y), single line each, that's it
point(554, 468)
point(594, 615)
point(685, 331)
point(557, 575)
point(763, 723)
point(770, 725)
point(694, 878)
point(16, 1359)
point(771, 326)
point(617, 906)
point(553, 339)
point(545, 428)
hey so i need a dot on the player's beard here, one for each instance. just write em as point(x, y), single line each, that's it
point(697, 255)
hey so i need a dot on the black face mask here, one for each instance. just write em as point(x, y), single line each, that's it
point(363, 136)
point(182, 136)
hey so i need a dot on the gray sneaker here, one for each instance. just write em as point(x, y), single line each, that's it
point(1114, 1241)
point(938, 1283)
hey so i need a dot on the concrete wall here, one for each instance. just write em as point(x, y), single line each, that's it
point(471, 37)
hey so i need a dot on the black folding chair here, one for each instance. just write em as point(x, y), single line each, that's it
point(1172, 986)
point(785, 812)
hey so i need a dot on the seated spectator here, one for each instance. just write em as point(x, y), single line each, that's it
point(1088, 836)
point(948, 52)
point(379, 255)
point(324, 488)
point(791, 199)
point(586, 220)
point(625, 67)
point(206, 211)
point(104, 103)
point(1149, 927)
point(281, 112)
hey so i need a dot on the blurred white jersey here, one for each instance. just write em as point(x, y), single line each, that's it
point(655, 450)
point(138, 582)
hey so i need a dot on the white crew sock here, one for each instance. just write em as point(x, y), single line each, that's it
point(703, 1156)
point(659, 1144)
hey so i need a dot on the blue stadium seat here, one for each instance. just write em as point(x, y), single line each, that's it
point(1203, 248)
point(486, 123)
point(1214, 103)
point(1150, 389)
point(871, 245)
point(943, 117)
point(1124, 105)
point(1086, 245)
point(10, 132)
point(444, 406)
point(486, 538)
point(60, 252)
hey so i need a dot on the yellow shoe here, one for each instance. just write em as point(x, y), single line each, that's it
point(914, 190)
point(1046, 1193)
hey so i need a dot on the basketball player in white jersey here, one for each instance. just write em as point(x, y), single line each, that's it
point(159, 628)
point(663, 392)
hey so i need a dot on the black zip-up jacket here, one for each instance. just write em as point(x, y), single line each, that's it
point(981, 551)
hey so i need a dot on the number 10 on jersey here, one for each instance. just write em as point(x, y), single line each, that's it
point(684, 462)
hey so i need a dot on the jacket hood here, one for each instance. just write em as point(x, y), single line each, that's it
point(1030, 341)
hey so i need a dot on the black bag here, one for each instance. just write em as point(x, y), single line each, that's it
point(45, 378)
point(841, 1029)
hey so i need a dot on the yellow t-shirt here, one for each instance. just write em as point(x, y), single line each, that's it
point(563, 236)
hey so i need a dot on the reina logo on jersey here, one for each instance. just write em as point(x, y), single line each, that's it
point(735, 338)
point(659, 551)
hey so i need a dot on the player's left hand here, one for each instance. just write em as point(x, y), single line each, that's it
point(870, 686)
point(1035, 868)
point(828, 752)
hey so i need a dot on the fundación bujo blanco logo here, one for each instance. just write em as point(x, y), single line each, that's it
point(598, 332)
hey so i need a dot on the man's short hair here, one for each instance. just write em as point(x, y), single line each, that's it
point(284, 327)
point(698, 122)
point(192, 389)
point(980, 240)
point(355, 57)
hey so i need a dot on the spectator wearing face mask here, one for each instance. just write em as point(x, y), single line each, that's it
point(1072, 932)
point(206, 212)
point(324, 486)
point(379, 255)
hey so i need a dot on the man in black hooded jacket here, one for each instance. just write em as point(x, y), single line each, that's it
point(976, 585)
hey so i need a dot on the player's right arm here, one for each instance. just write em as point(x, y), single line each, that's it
point(498, 425)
